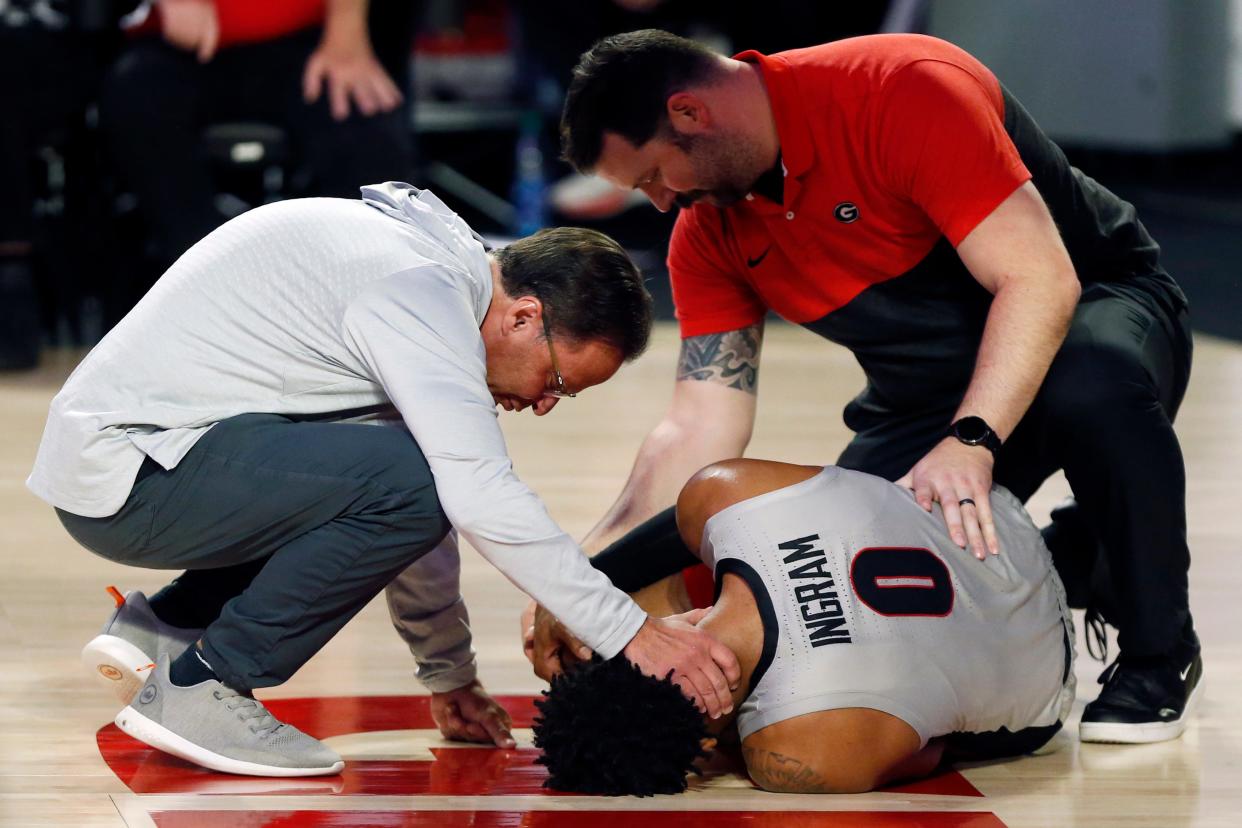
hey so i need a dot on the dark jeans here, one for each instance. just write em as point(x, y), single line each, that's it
point(1104, 414)
point(285, 529)
point(157, 100)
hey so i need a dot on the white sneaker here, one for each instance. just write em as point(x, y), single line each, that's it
point(219, 728)
point(132, 640)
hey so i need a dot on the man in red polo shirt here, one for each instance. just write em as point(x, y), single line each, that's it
point(1010, 313)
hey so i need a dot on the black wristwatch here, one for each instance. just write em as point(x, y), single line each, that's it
point(973, 431)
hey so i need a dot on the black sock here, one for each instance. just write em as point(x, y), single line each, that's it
point(197, 596)
point(175, 614)
point(191, 668)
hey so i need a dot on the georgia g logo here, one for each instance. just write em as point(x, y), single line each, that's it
point(846, 212)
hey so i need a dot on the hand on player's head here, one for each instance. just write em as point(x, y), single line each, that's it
point(705, 669)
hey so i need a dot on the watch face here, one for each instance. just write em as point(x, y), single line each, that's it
point(971, 430)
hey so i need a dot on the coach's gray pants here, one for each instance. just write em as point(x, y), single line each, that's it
point(286, 529)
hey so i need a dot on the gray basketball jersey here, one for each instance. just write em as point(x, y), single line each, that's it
point(866, 602)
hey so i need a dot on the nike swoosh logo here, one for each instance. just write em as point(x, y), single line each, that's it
point(755, 261)
point(1186, 672)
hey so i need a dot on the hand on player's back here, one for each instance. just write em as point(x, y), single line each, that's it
point(959, 478)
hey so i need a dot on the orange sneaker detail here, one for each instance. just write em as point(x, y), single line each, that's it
point(116, 595)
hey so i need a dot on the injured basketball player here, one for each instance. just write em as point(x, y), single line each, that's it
point(873, 648)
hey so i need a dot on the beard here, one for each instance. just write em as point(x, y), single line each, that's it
point(728, 163)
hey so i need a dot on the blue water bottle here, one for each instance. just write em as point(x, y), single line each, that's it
point(530, 186)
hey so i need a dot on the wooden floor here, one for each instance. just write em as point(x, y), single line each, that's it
point(52, 749)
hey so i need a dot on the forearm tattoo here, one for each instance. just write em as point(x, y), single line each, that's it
point(730, 358)
point(778, 772)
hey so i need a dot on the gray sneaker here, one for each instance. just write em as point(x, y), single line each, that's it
point(124, 652)
point(216, 727)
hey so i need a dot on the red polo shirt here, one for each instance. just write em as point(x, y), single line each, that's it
point(248, 21)
point(254, 21)
point(889, 142)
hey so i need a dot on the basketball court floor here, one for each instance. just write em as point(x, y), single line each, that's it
point(62, 762)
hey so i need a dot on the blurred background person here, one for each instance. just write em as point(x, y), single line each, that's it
point(50, 54)
point(141, 126)
point(308, 67)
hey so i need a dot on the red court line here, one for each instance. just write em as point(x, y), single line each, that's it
point(949, 783)
point(455, 771)
point(575, 819)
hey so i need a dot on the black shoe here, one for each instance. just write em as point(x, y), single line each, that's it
point(1144, 702)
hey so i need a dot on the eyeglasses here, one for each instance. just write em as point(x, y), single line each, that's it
point(558, 388)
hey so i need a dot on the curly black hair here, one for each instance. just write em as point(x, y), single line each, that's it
point(606, 728)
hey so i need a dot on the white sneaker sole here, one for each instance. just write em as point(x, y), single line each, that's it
point(1119, 733)
point(117, 665)
point(157, 736)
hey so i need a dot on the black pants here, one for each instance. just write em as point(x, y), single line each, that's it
point(157, 100)
point(1104, 414)
point(285, 529)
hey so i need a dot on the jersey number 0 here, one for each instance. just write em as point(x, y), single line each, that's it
point(901, 581)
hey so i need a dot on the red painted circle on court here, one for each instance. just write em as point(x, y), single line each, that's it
point(456, 771)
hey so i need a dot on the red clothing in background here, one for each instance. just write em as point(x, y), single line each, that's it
point(253, 21)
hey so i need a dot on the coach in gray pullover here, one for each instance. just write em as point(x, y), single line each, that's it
point(218, 429)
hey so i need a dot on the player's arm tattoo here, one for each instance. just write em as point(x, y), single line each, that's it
point(730, 358)
point(777, 772)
